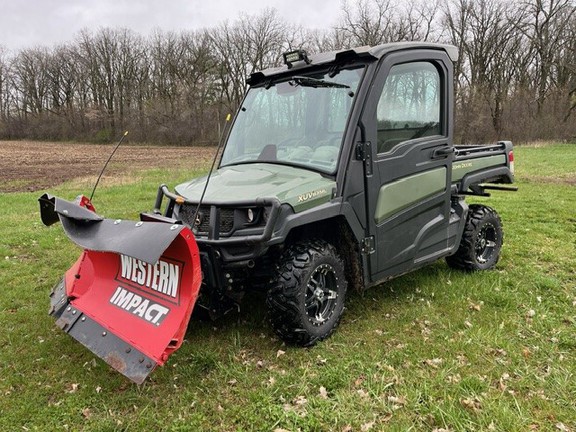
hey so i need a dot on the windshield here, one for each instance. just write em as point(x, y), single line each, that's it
point(296, 122)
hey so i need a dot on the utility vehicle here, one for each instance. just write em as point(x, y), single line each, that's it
point(338, 171)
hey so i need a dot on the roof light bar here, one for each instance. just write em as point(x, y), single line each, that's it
point(292, 57)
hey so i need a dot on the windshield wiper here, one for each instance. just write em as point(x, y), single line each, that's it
point(314, 82)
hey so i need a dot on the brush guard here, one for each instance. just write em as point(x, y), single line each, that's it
point(129, 296)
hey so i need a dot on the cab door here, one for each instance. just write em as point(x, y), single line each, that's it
point(407, 119)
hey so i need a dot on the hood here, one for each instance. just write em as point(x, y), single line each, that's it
point(300, 188)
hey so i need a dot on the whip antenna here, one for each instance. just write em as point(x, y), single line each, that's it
point(106, 164)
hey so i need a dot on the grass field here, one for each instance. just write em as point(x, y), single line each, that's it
point(436, 349)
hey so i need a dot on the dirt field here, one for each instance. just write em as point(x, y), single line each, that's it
point(33, 165)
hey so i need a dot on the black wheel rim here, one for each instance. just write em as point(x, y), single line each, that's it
point(321, 294)
point(486, 243)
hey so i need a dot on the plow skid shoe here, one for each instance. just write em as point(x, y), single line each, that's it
point(129, 296)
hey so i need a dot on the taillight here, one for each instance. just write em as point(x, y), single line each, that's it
point(511, 161)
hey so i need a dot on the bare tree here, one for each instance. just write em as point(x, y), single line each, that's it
point(566, 60)
point(31, 79)
point(4, 89)
point(515, 77)
point(379, 21)
point(165, 54)
point(249, 44)
point(198, 76)
point(111, 61)
point(97, 55)
point(484, 31)
point(547, 27)
point(325, 40)
point(63, 76)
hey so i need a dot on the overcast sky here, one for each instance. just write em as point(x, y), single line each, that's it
point(28, 23)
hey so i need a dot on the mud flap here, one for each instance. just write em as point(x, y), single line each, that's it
point(130, 295)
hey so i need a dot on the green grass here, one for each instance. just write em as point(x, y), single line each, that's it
point(434, 349)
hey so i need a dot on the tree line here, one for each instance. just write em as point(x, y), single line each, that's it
point(515, 77)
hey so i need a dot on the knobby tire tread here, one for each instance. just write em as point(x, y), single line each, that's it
point(284, 299)
point(464, 258)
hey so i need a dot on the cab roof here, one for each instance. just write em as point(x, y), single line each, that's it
point(369, 53)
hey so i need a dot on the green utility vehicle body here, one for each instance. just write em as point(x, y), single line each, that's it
point(338, 171)
point(392, 187)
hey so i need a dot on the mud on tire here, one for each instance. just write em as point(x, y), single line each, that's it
point(481, 241)
point(307, 297)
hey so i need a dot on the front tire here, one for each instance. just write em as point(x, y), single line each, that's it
point(481, 242)
point(306, 300)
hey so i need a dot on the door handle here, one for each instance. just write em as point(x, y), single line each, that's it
point(443, 152)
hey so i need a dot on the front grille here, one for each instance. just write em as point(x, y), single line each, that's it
point(226, 218)
point(187, 212)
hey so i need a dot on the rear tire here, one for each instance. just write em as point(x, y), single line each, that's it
point(306, 300)
point(481, 241)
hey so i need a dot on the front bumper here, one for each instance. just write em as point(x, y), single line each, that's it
point(238, 242)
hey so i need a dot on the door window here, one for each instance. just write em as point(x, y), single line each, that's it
point(409, 106)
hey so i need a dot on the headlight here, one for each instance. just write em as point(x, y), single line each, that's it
point(252, 216)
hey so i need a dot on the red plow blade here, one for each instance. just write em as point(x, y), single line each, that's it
point(130, 295)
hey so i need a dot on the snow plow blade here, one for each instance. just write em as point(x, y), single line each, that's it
point(129, 296)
